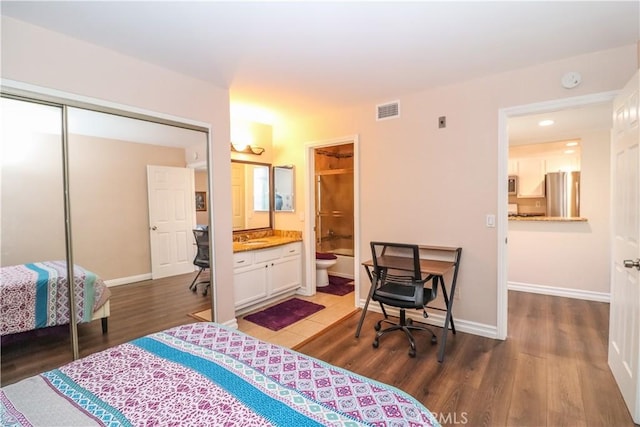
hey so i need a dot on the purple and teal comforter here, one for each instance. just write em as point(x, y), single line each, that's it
point(205, 374)
point(35, 295)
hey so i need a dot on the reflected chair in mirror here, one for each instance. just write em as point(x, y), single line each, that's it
point(403, 289)
point(201, 259)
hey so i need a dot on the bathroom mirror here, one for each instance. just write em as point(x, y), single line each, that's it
point(283, 185)
point(251, 195)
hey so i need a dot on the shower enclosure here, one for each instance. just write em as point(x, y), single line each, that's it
point(334, 199)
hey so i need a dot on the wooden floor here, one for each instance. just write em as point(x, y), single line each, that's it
point(552, 371)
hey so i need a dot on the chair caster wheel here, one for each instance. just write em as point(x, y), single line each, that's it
point(377, 327)
point(375, 344)
point(434, 340)
point(409, 321)
point(412, 353)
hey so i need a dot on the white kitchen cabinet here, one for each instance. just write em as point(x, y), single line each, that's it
point(531, 173)
point(564, 163)
point(513, 167)
point(262, 274)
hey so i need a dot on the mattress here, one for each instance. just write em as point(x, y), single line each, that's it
point(36, 295)
point(205, 374)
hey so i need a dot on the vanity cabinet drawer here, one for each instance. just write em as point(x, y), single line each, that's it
point(292, 249)
point(263, 255)
point(241, 259)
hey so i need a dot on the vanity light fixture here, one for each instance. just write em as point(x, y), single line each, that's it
point(547, 122)
point(248, 149)
point(572, 144)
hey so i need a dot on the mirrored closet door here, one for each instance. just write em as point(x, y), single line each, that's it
point(76, 186)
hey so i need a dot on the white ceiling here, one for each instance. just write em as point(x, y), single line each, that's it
point(303, 55)
point(568, 124)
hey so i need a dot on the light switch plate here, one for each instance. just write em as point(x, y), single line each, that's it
point(491, 221)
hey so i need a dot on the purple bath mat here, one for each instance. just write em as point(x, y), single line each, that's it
point(337, 286)
point(284, 314)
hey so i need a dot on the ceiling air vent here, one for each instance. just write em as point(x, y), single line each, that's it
point(390, 110)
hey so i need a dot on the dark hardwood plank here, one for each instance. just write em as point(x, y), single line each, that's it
point(529, 395)
point(564, 398)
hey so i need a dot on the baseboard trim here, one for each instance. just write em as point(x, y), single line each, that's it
point(126, 280)
point(559, 292)
point(233, 323)
point(437, 319)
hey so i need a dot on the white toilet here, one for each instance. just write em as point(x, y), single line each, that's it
point(323, 262)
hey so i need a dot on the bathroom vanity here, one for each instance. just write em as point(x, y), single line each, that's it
point(264, 270)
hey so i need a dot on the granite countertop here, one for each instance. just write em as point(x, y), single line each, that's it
point(263, 242)
point(547, 219)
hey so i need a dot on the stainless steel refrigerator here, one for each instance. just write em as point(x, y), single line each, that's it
point(563, 194)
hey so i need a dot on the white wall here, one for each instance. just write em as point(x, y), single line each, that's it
point(571, 256)
point(428, 185)
point(40, 57)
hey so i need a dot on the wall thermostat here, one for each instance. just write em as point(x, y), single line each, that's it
point(571, 80)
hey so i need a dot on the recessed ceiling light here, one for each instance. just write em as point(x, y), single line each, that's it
point(546, 122)
point(572, 144)
point(569, 151)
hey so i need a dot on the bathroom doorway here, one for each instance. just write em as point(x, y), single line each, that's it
point(332, 225)
point(334, 206)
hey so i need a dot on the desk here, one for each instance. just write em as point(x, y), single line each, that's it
point(435, 269)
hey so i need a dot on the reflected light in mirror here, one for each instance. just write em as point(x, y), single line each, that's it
point(19, 120)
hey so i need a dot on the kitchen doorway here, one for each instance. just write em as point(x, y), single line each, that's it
point(505, 115)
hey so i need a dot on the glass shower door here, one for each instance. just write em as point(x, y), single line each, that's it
point(334, 214)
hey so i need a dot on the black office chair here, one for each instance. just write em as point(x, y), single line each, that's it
point(401, 289)
point(201, 259)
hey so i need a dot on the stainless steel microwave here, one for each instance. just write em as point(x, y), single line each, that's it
point(513, 185)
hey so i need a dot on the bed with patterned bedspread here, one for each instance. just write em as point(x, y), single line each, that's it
point(208, 375)
point(36, 295)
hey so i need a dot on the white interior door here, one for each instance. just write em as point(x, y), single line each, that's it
point(624, 310)
point(171, 220)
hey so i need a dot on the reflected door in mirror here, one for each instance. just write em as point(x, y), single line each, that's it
point(251, 195)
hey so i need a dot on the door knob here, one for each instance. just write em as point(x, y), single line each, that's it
point(154, 228)
point(630, 263)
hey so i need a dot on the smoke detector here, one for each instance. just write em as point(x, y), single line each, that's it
point(571, 80)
